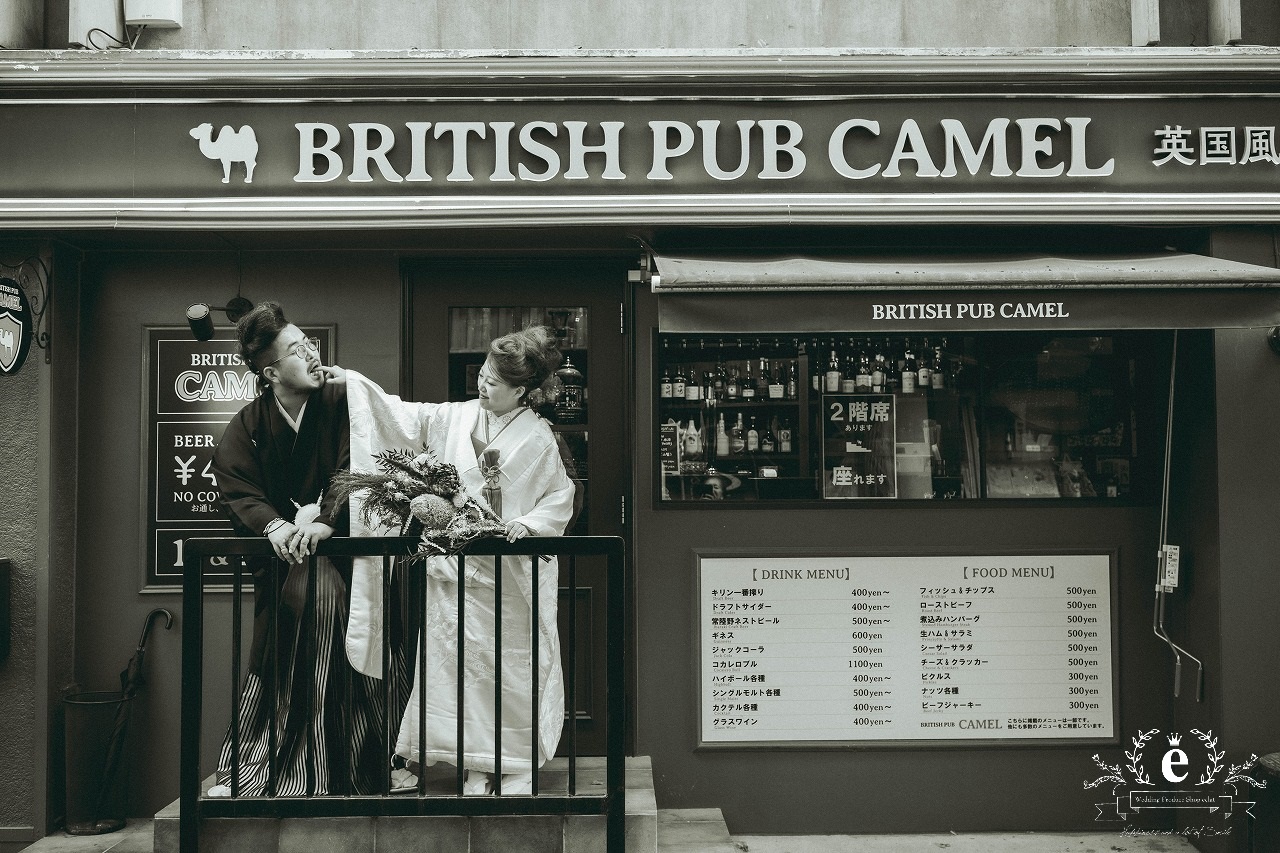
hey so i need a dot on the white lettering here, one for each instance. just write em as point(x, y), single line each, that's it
point(911, 146)
point(418, 150)
point(365, 153)
point(773, 147)
point(1079, 166)
point(957, 140)
point(502, 150)
point(835, 148)
point(309, 149)
point(460, 130)
point(1033, 147)
point(710, 143)
point(662, 149)
point(542, 151)
point(578, 150)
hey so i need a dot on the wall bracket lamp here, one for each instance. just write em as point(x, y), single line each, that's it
point(201, 323)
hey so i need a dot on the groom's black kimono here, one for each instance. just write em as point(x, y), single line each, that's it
point(331, 714)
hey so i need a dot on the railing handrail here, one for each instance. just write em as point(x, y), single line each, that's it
point(193, 808)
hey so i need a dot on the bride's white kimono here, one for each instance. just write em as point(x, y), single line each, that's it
point(535, 491)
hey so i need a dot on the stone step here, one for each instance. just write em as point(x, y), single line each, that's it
point(429, 834)
point(693, 831)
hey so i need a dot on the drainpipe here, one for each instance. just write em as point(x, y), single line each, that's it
point(1224, 22)
point(1144, 22)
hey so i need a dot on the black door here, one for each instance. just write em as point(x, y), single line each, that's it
point(455, 307)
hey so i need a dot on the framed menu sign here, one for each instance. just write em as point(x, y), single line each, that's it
point(835, 649)
point(191, 391)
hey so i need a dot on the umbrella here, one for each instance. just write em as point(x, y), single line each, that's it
point(131, 679)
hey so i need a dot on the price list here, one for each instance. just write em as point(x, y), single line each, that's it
point(951, 648)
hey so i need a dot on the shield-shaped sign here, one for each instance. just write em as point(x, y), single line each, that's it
point(12, 338)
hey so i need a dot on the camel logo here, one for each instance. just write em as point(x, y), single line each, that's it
point(11, 329)
point(229, 146)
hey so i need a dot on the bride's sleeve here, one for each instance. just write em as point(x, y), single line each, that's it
point(381, 421)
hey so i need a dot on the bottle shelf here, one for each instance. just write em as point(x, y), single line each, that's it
point(751, 403)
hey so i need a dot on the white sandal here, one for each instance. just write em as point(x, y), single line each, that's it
point(403, 781)
point(517, 783)
point(477, 784)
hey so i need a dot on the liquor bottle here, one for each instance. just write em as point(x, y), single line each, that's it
point(816, 381)
point(753, 437)
point(893, 372)
point(831, 382)
point(784, 436)
point(664, 384)
point(721, 378)
point(764, 379)
point(737, 437)
point(793, 381)
point(722, 438)
point(849, 375)
point(692, 389)
point(693, 447)
point(748, 389)
point(937, 375)
point(777, 382)
point(879, 372)
point(863, 380)
point(732, 385)
point(768, 443)
point(909, 368)
point(678, 383)
point(924, 373)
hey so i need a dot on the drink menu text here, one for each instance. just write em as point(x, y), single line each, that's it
point(839, 649)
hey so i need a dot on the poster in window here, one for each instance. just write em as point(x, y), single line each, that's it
point(858, 447)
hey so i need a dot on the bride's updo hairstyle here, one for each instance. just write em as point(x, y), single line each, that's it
point(526, 359)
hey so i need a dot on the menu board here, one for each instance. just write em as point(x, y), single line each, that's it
point(192, 390)
point(838, 649)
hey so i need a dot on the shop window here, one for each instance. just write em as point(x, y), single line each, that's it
point(839, 418)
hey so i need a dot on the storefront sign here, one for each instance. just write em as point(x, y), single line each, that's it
point(508, 146)
point(193, 388)
point(829, 650)
point(15, 326)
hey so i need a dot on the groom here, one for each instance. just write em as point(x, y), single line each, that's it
point(273, 465)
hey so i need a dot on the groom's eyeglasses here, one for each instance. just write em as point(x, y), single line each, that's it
point(300, 349)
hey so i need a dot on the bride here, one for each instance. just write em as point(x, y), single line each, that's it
point(508, 456)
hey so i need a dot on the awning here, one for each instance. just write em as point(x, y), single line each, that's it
point(992, 292)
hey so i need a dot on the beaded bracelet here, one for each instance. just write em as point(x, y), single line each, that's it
point(272, 525)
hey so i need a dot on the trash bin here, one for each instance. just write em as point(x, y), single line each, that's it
point(97, 772)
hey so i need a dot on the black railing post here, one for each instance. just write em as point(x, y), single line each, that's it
point(616, 733)
point(192, 696)
point(497, 678)
point(237, 650)
point(534, 632)
point(462, 657)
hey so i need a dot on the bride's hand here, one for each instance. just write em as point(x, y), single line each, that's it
point(516, 530)
point(335, 374)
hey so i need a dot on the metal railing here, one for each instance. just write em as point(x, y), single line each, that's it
point(194, 807)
